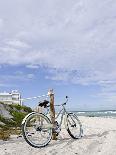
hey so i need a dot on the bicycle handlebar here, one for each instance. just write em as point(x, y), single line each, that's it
point(58, 105)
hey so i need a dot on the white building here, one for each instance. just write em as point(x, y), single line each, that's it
point(11, 98)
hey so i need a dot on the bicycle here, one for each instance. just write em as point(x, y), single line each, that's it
point(37, 127)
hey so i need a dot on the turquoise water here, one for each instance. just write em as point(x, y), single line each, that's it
point(96, 113)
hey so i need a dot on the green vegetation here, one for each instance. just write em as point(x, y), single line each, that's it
point(11, 125)
point(7, 122)
point(19, 107)
point(17, 112)
point(18, 117)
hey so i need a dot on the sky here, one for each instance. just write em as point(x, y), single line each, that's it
point(67, 45)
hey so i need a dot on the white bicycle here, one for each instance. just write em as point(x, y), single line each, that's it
point(37, 128)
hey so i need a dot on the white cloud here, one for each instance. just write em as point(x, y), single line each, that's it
point(19, 75)
point(30, 76)
point(74, 39)
point(32, 66)
point(1, 23)
point(17, 44)
point(10, 79)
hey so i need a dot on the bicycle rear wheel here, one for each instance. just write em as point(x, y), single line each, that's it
point(74, 126)
point(37, 130)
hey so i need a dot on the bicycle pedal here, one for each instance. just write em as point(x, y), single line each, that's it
point(56, 133)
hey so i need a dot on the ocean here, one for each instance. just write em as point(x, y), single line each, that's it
point(102, 113)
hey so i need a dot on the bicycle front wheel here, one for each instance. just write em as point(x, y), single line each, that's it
point(37, 130)
point(74, 126)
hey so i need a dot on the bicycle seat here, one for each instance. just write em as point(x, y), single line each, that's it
point(43, 103)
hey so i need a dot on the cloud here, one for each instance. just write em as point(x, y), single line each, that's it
point(22, 76)
point(17, 44)
point(12, 79)
point(75, 40)
point(32, 66)
point(30, 76)
point(1, 23)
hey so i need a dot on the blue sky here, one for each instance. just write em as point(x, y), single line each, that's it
point(68, 45)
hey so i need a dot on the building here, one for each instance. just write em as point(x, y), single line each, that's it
point(11, 98)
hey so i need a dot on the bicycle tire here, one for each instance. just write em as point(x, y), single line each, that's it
point(74, 135)
point(26, 133)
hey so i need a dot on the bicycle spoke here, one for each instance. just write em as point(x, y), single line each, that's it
point(37, 130)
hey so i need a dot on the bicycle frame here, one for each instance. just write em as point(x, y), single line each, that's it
point(63, 113)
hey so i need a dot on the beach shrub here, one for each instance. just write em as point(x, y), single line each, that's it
point(7, 122)
point(20, 108)
point(16, 106)
point(18, 117)
point(26, 109)
point(4, 129)
point(17, 112)
point(12, 124)
point(4, 133)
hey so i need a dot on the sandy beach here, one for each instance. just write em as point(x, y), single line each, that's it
point(99, 139)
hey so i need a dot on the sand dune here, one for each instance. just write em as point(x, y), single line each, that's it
point(99, 139)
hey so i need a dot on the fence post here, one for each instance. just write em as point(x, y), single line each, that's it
point(52, 112)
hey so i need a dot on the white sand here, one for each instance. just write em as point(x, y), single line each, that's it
point(99, 139)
